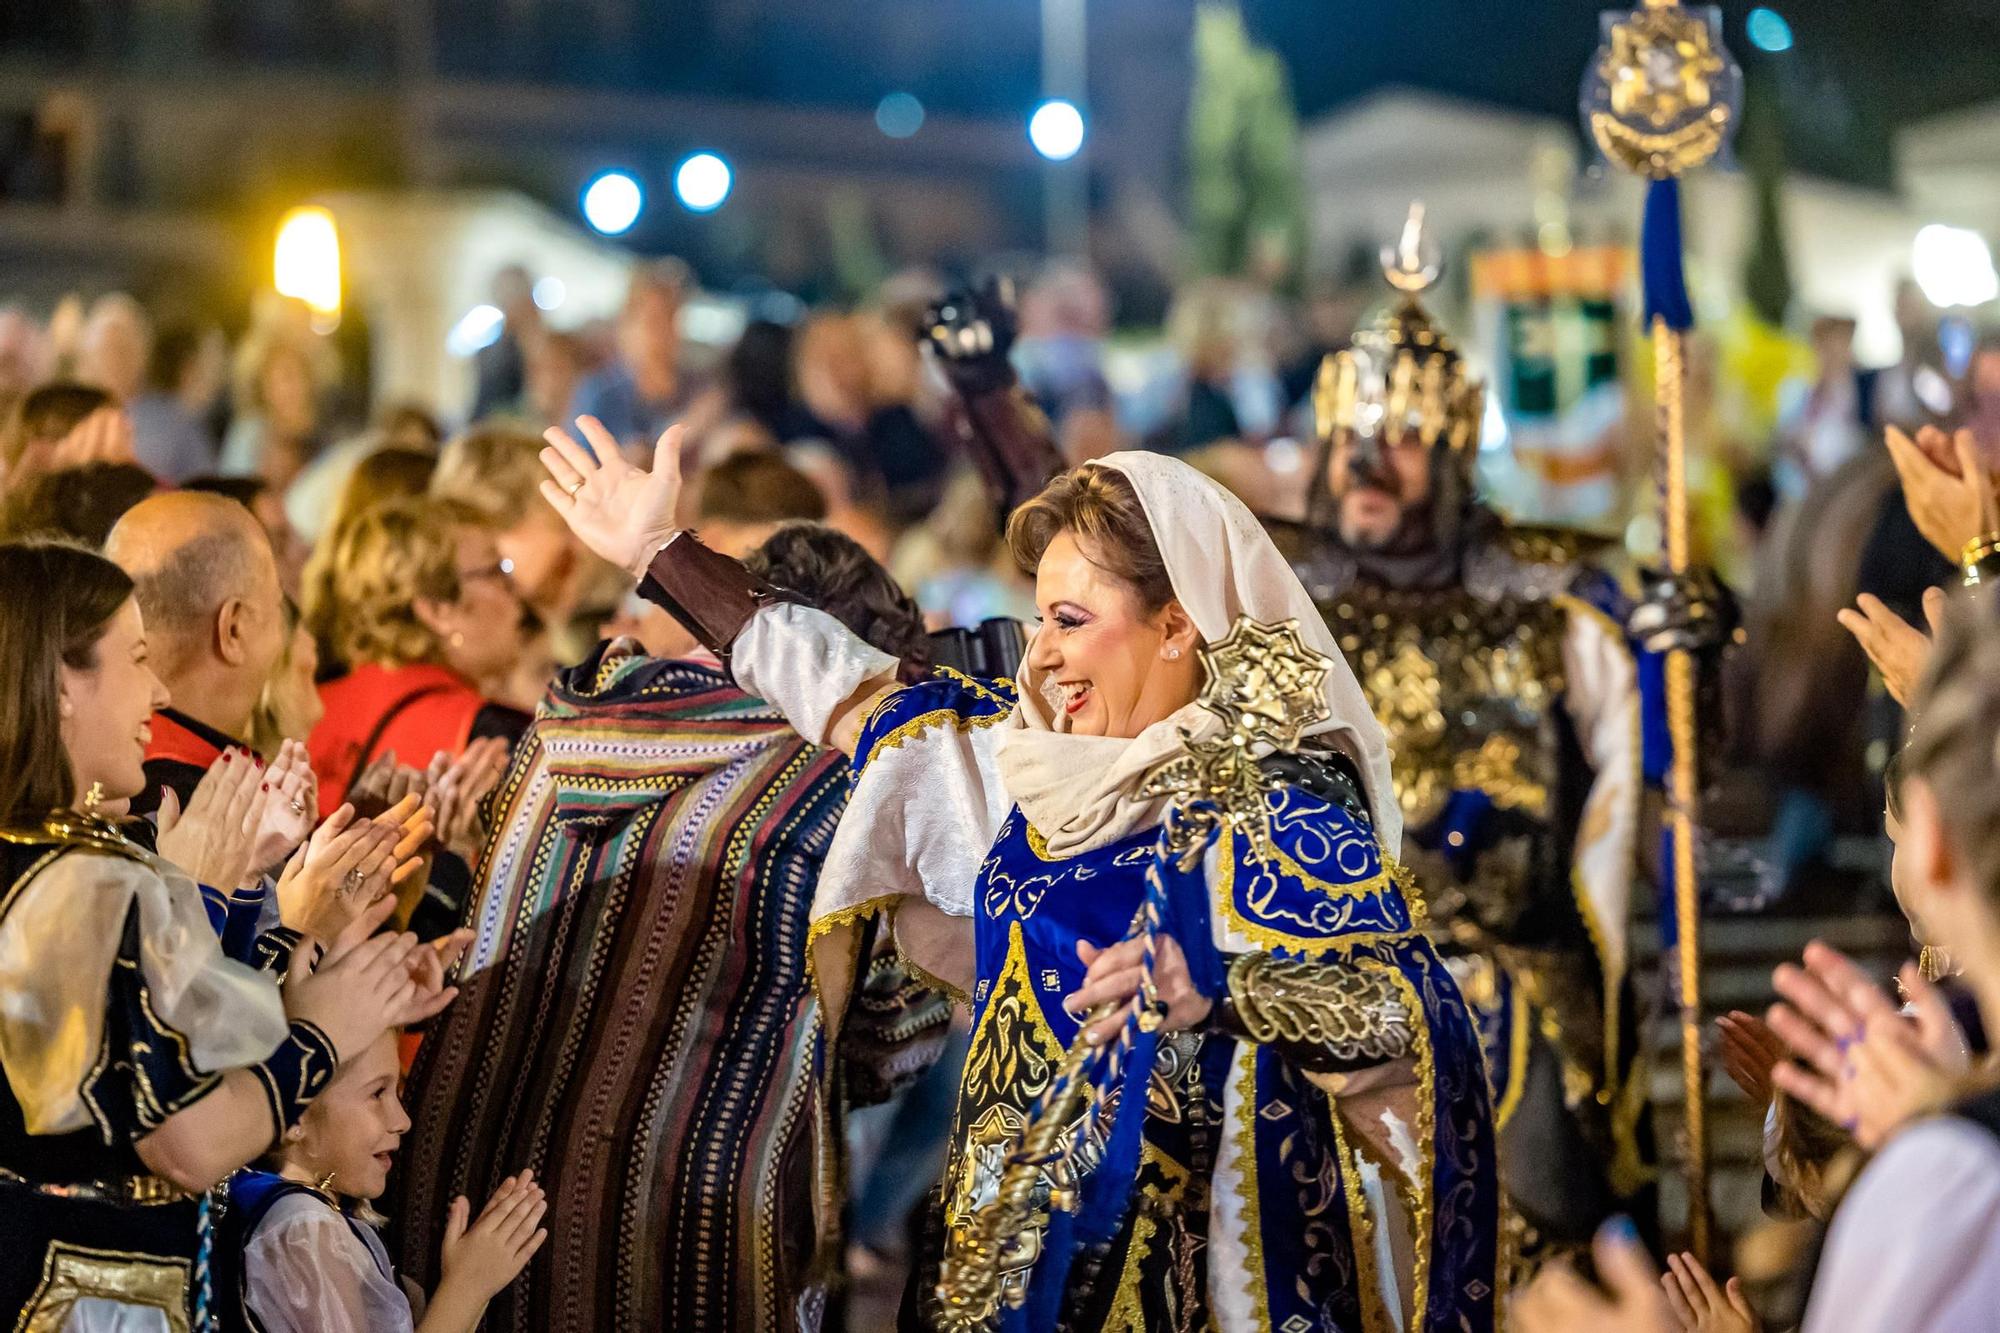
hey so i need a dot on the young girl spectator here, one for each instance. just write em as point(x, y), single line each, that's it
point(300, 1242)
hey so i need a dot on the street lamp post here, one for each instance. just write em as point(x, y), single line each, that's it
point(1065, 192)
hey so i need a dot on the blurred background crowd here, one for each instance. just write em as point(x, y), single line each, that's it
point(342, 263)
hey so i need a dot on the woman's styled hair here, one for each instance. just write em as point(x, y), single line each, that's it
point(75, 595)
point(389, 472)
point(1098, 507)
point(387, 560)
point(1954, 745)
point(496, 469)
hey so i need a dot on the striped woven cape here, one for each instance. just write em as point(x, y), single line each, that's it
point(636, 1024)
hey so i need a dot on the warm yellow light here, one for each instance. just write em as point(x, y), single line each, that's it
point(308, 259)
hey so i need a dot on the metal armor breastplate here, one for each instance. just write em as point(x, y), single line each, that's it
point(1465, 688)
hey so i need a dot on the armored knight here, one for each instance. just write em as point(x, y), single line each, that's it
point(1497, 660)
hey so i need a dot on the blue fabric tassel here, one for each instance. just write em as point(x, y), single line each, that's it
point(1103, 1194)
point(1660, 257)
point(1109, 1187)
point(1045, 1285)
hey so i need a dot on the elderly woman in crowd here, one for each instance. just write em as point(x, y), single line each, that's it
point(422, 611)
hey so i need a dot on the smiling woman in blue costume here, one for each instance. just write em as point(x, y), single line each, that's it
point(1316, 1151)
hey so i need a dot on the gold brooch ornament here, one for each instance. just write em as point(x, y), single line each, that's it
point(1403, 378)
point(1268, 688)
point(1662, 92)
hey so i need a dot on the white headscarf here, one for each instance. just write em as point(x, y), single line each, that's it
point(1080, 792)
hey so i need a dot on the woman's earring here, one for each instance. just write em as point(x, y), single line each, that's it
point(325, 1185)
point(1173, 654)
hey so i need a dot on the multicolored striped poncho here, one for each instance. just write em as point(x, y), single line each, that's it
point(636, 1026)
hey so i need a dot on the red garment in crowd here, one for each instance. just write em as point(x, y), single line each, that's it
point(415, 710)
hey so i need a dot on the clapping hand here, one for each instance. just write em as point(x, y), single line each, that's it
point(458, 789)
point(1703, 1307)
point(1946, 486)
point(1866, 1067)
point(623, 513)
point(365, 983)
point(213, 840)
point(1896, 647)
point(482, 1258)
point(105, 436)
point(292, 809)
point(1749, 1051)
point(343, 869)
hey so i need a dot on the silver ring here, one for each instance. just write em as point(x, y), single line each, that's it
point(352, 884)
point(298, 806)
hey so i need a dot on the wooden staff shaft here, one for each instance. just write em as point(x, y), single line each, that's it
point(1670, 392)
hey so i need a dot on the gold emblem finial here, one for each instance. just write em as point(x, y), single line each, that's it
point(1662, 100)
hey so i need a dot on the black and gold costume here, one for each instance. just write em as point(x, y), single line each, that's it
point(121, 1011)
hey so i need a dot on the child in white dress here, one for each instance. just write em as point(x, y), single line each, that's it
point(298, 1251)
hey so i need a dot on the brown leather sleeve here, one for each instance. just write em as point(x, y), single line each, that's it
point(1010, 442)
point(710, 594)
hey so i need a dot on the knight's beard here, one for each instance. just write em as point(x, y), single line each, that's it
point(1412, 532)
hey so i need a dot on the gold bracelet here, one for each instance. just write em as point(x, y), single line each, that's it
point(1981, 560)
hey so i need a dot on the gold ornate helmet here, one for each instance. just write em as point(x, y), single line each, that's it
point(1403, 375)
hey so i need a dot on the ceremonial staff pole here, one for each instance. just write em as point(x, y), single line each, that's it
point(1661, 100)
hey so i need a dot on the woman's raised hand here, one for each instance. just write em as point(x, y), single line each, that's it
point(341, 871)
point(291, 811)
point(1898, 649)
point(1946, 486)
point(458, 787)
point(213, 840)
point(1867, 1067)
point(623, 513)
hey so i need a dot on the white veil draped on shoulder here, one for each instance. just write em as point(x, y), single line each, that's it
point(1080, 791)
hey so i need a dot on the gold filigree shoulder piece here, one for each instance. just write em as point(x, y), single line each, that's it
point(1267, 688)
point(70, 828)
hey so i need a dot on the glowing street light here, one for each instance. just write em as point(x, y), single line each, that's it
point(611, 203)
point(1954, 267)
point(899, 115)
point(306, 264)
point(1056, 129)
point(480, 327)
point(703, 182)
point(1768, 31)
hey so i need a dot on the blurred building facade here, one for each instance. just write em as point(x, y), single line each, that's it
point(211, 116)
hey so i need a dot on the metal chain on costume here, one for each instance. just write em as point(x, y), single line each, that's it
point(204, 1303)
point(1267, 687)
